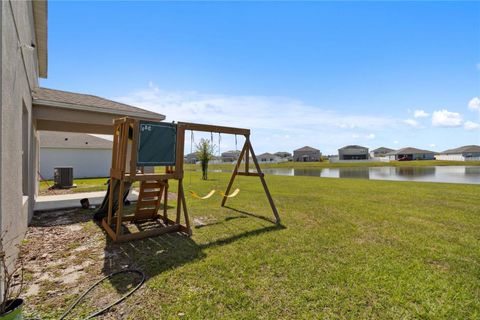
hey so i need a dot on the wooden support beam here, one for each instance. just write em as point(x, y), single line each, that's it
point(149, 176)
point(211, 128)
point(264, 183)
point(234, 173)
point(179, 201)
point(109, 230)
point(118, 230)
point(133, 155)
point(110, 201)
point(165, 203)
point(148, 233)
point(185, 213)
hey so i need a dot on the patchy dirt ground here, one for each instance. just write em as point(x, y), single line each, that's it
point(64, 253)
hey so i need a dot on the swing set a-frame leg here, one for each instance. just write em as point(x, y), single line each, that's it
point(264, 183)
point(234, 174)
point(247, 148)
point(182, 206)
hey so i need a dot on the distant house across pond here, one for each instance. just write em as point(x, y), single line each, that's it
point(268, 158)
point(465, 153)
point(191, 158)
point(90, 156)
point(353, 152)
point(284, 155)
point(306, 154)
point(230, 156)
point(380, 152)
point(410, 153)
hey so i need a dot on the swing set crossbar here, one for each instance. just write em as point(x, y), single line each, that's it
point(212, 128)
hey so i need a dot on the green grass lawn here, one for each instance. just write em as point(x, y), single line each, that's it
point(353, 249)
point(83, 185)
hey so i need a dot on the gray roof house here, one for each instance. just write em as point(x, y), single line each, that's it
point(471, 152)
point(230, 156)
point(306, 154)
point(410, 153)
point(268, 157)
point(191, 158)
point(353, 152)
point(380, 152)
point(283, 154)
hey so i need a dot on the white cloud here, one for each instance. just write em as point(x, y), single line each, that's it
point(395, 142)
point(474, 104)
point(369, 136)
point(254, 111)
point(265, 115)
point(470, 125)
point(432, 145)
point(412, 123)
point(445, 118)
point(420, 114)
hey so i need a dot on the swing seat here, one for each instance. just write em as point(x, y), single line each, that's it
point(197, 196)
point(231, 195)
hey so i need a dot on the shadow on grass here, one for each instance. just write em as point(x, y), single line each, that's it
point(153, 255)
point(251, 214)
point(156, 255)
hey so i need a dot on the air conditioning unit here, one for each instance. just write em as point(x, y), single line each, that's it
point(63, 177)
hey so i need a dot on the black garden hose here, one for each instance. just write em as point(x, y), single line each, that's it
point(97, 313)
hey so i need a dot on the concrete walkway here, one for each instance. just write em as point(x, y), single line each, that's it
point(68, 201)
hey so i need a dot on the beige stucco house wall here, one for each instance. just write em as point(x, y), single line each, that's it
point(306, 154)
point(20, 68)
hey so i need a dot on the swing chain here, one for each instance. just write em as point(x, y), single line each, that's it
point(192, 141)
point(219, 148)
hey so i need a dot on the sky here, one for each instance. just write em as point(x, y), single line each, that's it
point(323, 74)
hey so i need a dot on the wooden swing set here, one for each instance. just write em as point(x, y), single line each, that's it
point(138, 144)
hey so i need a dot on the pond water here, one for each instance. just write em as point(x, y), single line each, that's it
point(449, 174)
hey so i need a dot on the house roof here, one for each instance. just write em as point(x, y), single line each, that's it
point(383, 149)
point(230, 152)
point(40, 17)
point(191, 155)
point(306, 148)
point(353, 146)
point(87, 102)
point(410, 150)
point(267, 154)
point(464, 149)
point(66, 140)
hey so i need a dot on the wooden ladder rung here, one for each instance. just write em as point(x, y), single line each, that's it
point(148, 203)
point(149, 194)
point(150, 185)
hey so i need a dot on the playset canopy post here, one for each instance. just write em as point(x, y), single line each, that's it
point(138, 144)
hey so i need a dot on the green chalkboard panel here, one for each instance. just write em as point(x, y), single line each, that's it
point(156, 144)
